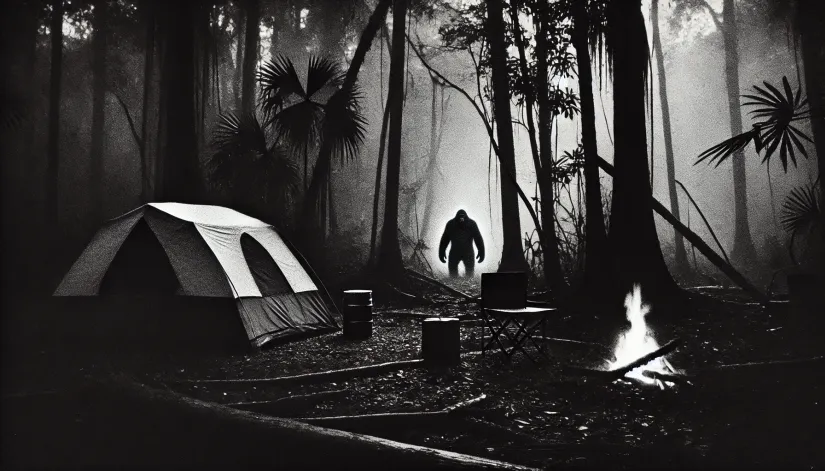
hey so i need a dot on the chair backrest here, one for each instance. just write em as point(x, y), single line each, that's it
point(504, 290)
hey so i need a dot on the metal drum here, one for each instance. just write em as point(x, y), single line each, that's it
point(357, 313)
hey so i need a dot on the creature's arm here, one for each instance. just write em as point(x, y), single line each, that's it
point(479, 242)
point(445, 241)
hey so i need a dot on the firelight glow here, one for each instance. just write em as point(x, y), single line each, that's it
point(638, 341)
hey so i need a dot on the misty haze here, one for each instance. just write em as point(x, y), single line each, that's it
point(329, 233)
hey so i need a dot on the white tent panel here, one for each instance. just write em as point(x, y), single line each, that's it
point(298, 279)
point(225, 243)
point(211, 215)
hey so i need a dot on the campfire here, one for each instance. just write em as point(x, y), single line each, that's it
point(638, 342)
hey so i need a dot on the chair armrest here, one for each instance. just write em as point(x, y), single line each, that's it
point(539, 304)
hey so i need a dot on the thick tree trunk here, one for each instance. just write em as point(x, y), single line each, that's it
point(512, 258)
point(181, 174)
point(681, 262)
point(389, 258)
point(596, 256)
point(250, 58)
point(550, 257)
point(99, 85)
point(53, 159)
point(743, 251)
point(811, 22)
point(148, 77)
point(634, 245)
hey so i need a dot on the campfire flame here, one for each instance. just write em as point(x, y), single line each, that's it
point(638, 341)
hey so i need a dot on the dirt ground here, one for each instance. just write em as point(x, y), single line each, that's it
point(533, 414)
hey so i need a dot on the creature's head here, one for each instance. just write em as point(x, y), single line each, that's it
point(461, 216)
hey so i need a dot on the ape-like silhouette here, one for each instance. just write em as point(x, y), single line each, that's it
point(461, 232)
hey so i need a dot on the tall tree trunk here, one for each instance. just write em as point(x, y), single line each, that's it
point(240, 24)
point(389, 258)
point(148, 77)
point(250, 58)
point(811, 22)
point(512, 258)
point(432, 164)
point(181, 174)
point(53, 162)
point(681, 261)
point(634, 245)
point(99, 86)
point(596, 255)
point(377, 196)
point(550, 257)
point(743, 251)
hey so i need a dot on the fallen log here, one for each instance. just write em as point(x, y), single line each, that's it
point(313, 378)
point(393, 420)
point(123, 422)
point(611, 375)
point(291, 404)
point(697, 242)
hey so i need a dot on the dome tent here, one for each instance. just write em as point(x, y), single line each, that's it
point(164, 250)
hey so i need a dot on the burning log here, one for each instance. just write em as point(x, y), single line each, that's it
point(612, 375)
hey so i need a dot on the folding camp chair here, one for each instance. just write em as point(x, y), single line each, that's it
point(504, 305)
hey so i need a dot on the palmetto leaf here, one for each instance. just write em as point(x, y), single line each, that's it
point(722, 151)
point(777, 110)
point(298, 125)
point(801, 209)
point(322, 73)
point(280, 85)
point(344, 124)
point(239, 134)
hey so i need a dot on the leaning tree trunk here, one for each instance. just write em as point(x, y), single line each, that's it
point(596, 255)
point(550, 257)
point(250, 58)
point(148, 75)
point(512, 258)
point(634, 245)
point(53, 162)
point(385, 121)
point(99, 85)
point(681, 261)
point(389, 256)
point(181, 169)
point(743, 251)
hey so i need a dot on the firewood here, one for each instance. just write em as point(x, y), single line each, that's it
point(312, 378)
point(611, 375)
point(289, 405)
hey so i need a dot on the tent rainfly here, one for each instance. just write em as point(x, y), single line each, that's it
point(206, 251)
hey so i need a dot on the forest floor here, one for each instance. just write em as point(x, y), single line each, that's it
point(541, 417)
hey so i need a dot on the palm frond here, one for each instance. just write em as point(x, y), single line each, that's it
point(776, 110)
point(722, 151)
point(298, 125)
point(801, 210)
point(322, 73)
point(279, 84)
point(236, 139)
point(344, 124)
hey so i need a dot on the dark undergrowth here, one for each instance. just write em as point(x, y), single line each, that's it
point(533, 414)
